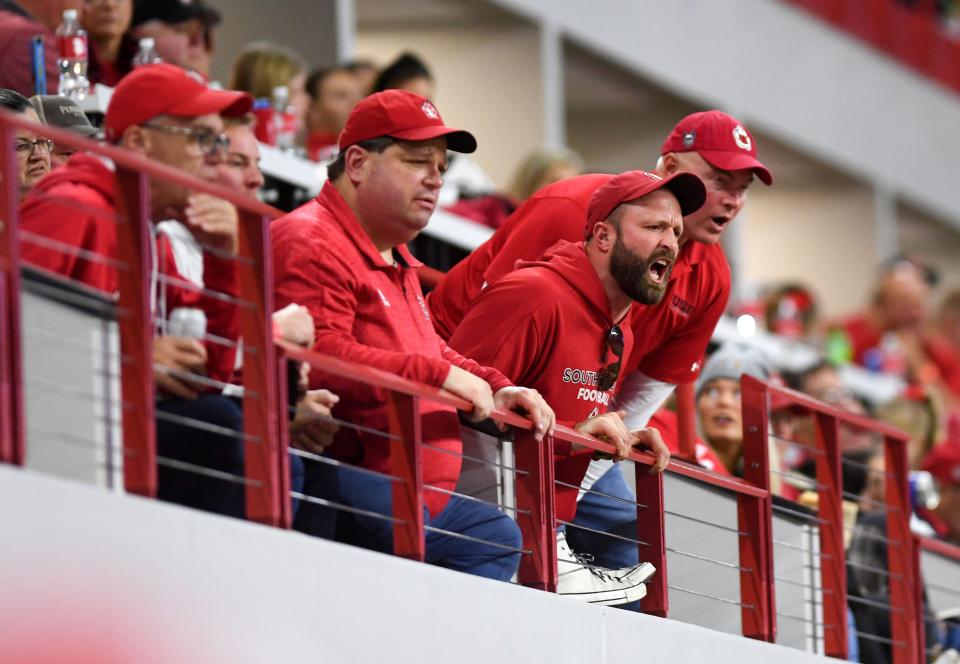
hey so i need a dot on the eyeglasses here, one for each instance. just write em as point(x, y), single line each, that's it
point(614, 343)
point(25, 146)
point(210, 142)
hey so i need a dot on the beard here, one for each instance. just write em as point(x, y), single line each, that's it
point(632, 274)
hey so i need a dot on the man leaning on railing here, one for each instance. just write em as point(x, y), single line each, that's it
point(344, 257)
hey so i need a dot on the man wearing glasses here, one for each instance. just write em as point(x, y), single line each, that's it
point(562, 326)
point(166, 114)
point(33, 154)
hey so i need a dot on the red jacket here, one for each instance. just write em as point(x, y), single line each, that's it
point(73, 207)
point(545, 326)
point(369, 312)
point(17, 30)
point(669, 338)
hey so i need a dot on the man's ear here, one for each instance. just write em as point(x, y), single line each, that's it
point(670, 163)
point(604, 236)
point(136, 139)
point(356, 161)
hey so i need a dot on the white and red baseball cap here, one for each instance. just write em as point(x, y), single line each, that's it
point(403, 115)
point(164, 89)
point(720, 139)
point(631, 185)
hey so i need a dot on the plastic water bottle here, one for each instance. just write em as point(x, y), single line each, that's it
point(147, 53)
point(284, 118)
point(72, 49)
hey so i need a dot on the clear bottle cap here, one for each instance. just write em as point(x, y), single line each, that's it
point(147, 43)
point(69, 14)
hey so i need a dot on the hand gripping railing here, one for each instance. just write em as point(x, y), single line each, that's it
point(901, 572)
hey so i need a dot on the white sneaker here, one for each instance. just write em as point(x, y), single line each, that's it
point(579, 578)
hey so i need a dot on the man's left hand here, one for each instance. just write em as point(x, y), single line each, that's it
point(650, 439)
point(530, 403)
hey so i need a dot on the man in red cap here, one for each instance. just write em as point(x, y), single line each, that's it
point(344, 257)
point(569, 341)
point(944, 464)
point(163, 113)
point(670, 338)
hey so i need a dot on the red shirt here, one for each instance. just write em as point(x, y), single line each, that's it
point(74, 207)
point(669, 339)
point(16, 33)
point(373, 313)
point(545, 326)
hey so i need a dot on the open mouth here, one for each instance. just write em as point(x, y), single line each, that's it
point(660, 269)
point(723, 420)
point(720, 222)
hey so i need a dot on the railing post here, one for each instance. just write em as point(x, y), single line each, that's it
point(535, 494)
point(650, 528)
point(283, 438)
point(833, 568)
point(136, 333)
point(904, 625)
point(687, 422)
point(405, 454)
point(260, 403)
point(755, 518)
point(12, 421)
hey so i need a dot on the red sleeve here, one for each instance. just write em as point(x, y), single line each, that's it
point(538, 224)
point(309, 272)
point(679, 358)
point(496, 379)
point(66, 222)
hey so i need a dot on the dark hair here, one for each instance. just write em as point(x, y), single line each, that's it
point(318, 76)
point(406, 67)
point(377, 145)
point(13, 101)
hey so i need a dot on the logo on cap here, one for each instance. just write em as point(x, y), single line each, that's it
point(742, 138)
point(429, 110)
point(689, 138)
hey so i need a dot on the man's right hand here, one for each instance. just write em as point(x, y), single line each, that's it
point(472, 388)
point(295, 324)
point(181, 354)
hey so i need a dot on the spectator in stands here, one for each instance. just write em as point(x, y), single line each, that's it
point(64, 113)
point(20, 22)
point(333, 94)
point(918, 412)
point(263, 66)
point(718, 399)
point(407, 72)
point(947, 322)
point(364, 73)
point(178, 31)
point(344, 256)
point(944, 464)
point(112, 46)
point(239, 167)
point(33, 153)
point(551, 342)
point(543, 167)
point(890, 336)
point(162, 112)
point(790, 311)
point(670, 338)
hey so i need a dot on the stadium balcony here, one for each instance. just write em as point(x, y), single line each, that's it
point(95, 569)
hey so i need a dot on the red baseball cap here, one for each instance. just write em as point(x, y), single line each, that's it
point(687, 187)
point(720, 139)
point(404, 115)
point(943, 462)
point(164, 89)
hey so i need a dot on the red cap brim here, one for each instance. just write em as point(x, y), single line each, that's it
point(228, 103)
point(737, 161)
point(458, 140)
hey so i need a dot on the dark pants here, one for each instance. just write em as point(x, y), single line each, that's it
point(185, 442)
point(373, 494)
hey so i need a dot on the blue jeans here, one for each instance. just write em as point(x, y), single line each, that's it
point(184, 442)
point(373, 494)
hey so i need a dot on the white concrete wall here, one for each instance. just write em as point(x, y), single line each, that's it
point(90, 576)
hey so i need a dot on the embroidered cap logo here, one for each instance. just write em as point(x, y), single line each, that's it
point(742, 138)
point(429, 110)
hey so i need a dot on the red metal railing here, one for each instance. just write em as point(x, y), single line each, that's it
point(911, 34)
point(264, 379)
point(906, 626)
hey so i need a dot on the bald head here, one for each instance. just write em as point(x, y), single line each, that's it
point(901, 298)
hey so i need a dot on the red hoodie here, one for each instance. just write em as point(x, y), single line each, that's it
point(669, 338)
point(545, 326)
point(368, 311)
point(73, 207)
